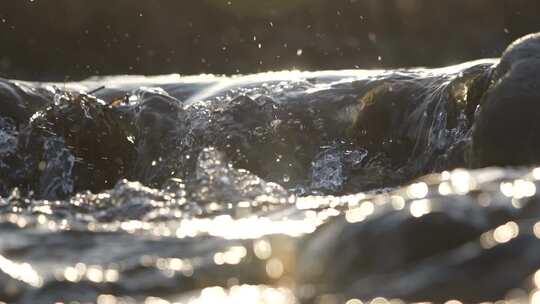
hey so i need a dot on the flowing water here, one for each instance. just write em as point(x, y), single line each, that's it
point(282, 187)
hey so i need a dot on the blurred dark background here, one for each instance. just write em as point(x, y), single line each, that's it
point(73, 39)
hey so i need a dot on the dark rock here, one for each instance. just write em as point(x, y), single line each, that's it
point(507, 129)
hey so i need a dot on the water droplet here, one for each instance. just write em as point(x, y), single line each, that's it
point(418, 190)
point(274, 268)
point(372, 37)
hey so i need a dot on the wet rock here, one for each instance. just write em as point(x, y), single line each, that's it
point(524, 48)
point(96, 134)
point(507, 128)
point(19, 102)
point(159, 127)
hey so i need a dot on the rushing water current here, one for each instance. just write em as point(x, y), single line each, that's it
point(282, 187)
